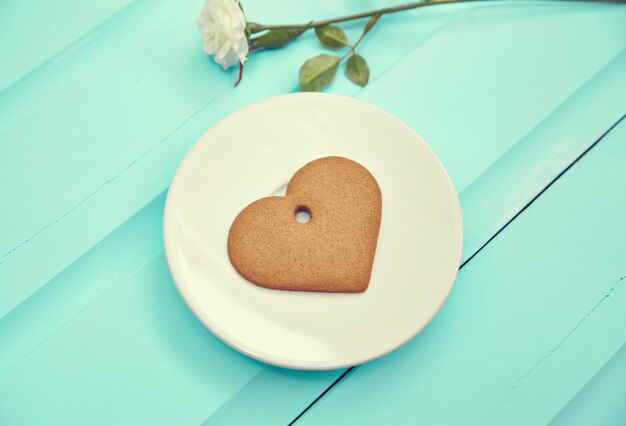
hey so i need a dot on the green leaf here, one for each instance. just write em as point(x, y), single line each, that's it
point(318, 72)
point(274, 39)
point(357, 70)
point(331, 36)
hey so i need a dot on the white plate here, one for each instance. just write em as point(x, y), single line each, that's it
point(252, 153)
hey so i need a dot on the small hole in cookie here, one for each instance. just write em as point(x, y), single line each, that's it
point(302, 214)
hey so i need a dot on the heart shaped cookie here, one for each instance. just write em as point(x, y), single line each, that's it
point(332, 252)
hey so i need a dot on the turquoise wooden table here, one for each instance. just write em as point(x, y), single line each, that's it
point(522, 101)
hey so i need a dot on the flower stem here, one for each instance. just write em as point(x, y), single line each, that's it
point(367, 28)
point(414, 5)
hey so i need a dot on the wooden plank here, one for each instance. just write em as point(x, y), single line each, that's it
point(104, 366)
point(531, 319)
point(120, 255)
point(601, 401)
point(128, 151)
point(112, 129)
point(44, 28)
point(37, 352)
point(503, 190)
point(498, 71)
point(67, 67)
point(85, 303)
point(110, 265)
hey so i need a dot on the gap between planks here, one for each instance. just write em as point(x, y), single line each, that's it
point(532, 200)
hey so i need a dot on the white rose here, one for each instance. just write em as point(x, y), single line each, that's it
point(223, 28)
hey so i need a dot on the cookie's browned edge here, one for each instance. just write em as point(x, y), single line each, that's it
point(362, 283)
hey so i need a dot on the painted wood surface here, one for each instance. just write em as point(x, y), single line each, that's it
point(601, 401)
point(529, 321)
point(94, 123)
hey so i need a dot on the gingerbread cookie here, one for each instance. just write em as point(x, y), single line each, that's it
point(332, 252)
